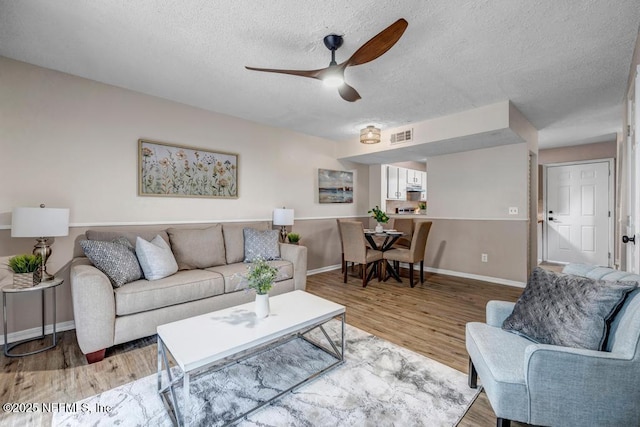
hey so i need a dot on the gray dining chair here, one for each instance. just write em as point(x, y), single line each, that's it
point(356, 251)
point(414, 253)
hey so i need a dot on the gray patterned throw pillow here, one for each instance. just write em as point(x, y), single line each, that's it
point(117, 259)
point(261, 244)
point(567, 310)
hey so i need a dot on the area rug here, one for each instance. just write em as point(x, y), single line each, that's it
point(380, 384)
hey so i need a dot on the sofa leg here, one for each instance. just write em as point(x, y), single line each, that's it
point(501, 422)
point(473, 375)
point(96, 356)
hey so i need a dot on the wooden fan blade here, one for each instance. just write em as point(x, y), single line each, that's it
point(348, 93)
point(314, 74)
point(379, 44)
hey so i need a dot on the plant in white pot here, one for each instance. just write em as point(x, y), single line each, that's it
point(260, 277)
point(380, 216)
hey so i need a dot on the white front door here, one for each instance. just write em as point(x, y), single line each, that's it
point(578, 217)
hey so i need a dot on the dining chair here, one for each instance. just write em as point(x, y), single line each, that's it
point(342, 263)
point(356, 251)
point(415, 253)
point(406, 226)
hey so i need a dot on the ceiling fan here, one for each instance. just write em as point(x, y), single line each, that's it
point(333, 75)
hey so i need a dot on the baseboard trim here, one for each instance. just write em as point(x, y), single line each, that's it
point(489, 279)
point(323, 269)
point(35, 332)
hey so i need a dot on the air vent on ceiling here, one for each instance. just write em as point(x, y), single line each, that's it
point(401, 137)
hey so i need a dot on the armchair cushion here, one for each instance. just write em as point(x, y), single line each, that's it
point(567, 310)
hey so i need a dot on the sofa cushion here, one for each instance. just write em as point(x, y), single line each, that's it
point(235, 274)
point(567, 310)
point(234, 239)
point(261, 244)
point(197, 248)
point(116, 259)
point(131, 236)
point(155, 257)
point(184, 286)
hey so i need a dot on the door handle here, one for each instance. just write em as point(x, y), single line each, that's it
point(627, 239)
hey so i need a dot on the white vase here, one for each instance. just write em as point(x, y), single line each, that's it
point(262, 306)
point(379, 228)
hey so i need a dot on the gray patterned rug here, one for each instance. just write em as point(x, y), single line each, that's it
point(380, 384)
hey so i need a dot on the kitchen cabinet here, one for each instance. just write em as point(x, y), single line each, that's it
point(400, 179)
point(414, 178)
point(396, 183)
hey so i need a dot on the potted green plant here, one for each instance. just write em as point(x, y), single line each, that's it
point(25, 268)
point(260, 277)
point(293, 238)
point(423, 207)
point(380, 216)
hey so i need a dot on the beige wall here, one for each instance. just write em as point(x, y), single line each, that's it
point(72, 142)
point(576, 153)
point(469, 195)
point(479, 184)
point(457, 245)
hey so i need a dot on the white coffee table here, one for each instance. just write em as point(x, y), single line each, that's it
point(218, 338)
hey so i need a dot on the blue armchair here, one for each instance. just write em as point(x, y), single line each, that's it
point(560, 386)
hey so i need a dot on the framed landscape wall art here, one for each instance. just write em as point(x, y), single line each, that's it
point(335, 186)
point(179, 171)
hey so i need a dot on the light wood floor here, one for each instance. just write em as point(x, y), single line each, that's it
point(428, 319)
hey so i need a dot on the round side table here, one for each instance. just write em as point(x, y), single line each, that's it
point(22, 288)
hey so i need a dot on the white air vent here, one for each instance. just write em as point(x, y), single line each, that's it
point(401, 137)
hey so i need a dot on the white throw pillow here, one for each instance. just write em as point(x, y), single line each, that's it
point(155, 257)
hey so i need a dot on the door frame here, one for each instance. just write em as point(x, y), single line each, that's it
point(632, 145)
point(611, 203)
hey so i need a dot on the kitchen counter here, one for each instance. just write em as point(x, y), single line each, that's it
point(413, 215)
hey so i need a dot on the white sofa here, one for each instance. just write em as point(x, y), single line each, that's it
point(106, 315)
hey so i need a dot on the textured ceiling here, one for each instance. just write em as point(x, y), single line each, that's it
point(563, 63)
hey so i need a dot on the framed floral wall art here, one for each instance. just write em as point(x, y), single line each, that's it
point(179, 171)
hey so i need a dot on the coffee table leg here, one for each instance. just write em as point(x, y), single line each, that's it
point(343, 338)
point(186, 410)
point(177, 417)
point(159, 365)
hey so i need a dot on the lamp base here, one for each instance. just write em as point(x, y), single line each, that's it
point(283, 234)
point(43, 249)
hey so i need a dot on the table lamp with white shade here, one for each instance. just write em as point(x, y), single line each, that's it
point(41, 223)
point(283, 217)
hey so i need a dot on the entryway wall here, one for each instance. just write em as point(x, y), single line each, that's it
point(575, 153)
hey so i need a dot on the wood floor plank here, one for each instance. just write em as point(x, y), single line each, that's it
point(428, 319)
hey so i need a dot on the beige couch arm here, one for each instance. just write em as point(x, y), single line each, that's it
point(297, 255)
point(94, 308)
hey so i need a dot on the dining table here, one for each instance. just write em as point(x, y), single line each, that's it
point(384, 241)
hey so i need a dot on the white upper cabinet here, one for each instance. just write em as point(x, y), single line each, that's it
point(399, 179)
point(396, 183)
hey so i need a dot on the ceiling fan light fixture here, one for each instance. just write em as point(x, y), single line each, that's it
point(333, 79)
point(370, 135)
